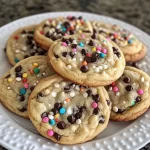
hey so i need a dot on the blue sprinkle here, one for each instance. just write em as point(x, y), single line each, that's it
point(62, 111)
point(102, 55)
point(16, 60)
point(64, 29)
point(130, 41)
point(52, 122)
point(81, 44)
point(22, 91)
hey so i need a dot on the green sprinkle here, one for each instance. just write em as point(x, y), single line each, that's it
point(36, 70)
point(22, 91)
point(16, 60)
point(133, 103)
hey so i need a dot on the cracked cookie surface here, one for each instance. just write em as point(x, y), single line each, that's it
point(87, 60)
point(132, 48)
point(55, 28)
point(68, 113)
point(129, 95)
point(21, 45)
point(17, 84)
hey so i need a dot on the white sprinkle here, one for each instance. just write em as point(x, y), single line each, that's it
point(37, 81)
point(104, 42)
point(146, 83)
point(35, 47)
point(72, 94)
point(142, 79)
point(17, 51)
point(69, 66)
point(96, 69)
point(78, 121)
point(105, 66)
point(49, 105)
point(85, 95)
point(46, 92)
point(98, 52)
point(50, 116)
point(69, 111)
point(38, 75)
point(74, 42)
point(117, 93)
point(81, 59)
point(43, 73)
point(33, 42)
point(124, 102)
point(87, 42)
point(65, 102)
point(100, 67)
point(53, 94)
point(23, 35)
point(34, 84)
point(74, 59)
point(24, 48)
point(18, 79)
point(110, 88)
point(56, 85)
point(115, 108)
point(63, 84)
point(51, 113)
point(109, 60)
point(8, 88)
point(77, 88)
point(58, 26)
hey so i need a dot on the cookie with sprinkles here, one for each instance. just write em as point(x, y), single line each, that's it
point(55, 28)
point(68, 113)
point(21, 45)
point(129, 95)
point(132, 48)
point(87, 60)
point(17, 84)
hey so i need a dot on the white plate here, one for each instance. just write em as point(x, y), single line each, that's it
point(17, 133)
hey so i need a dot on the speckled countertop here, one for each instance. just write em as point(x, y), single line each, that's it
point(135, 12)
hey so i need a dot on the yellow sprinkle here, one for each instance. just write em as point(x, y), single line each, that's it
point(9, 79)
point(80, 31)
point(94, 49)
point(35, 64)
point(56, 116)
point(25, 75)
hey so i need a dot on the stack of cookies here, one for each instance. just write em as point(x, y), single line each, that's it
point(69, 77)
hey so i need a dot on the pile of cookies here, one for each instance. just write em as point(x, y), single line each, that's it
point(69, 76)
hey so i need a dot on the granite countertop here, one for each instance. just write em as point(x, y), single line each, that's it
point(135, 12)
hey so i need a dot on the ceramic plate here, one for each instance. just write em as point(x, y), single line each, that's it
point(17, 133)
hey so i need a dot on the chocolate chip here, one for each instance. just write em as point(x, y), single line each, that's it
point(126, 80)
point(118, 54)
point(64, 54)
point(44, 114)
point(41, 53)
point(23, 32)
point(61, 125)
point(5, 50)
point(89, 92)
point(76, 110)
point(70, 40)
point(102, 119)
point(129, 88)
point(115, 51)
point(138, 99)
point(74, 46)
point(48, 34)
point(94, 30)
point(53, 38)
point(22, 98)
point(26, 56)
point(101, 31)
point(71, 84)
point(67, 89)
point(18, 69)
point(19, 74)
point(71, 32)
point(32, 53)
point(57, 136)
point(87, 59)
point(73, 18)
point(108, 102)
point(84, 52)
point(71, 119)
point(84, 69)
point(120, 110)
point(72, 54)
point(66, 24)
point(56, 56)
point(41, 94)
point(30, 32)
point(32, 88)
point(94, 57)
point(58, 105)
point(82, 108)
point(96, 98)
point(80, 17)
point(96, 111)
point(8, 76)
point(133, 64)
point(93, 36)
point(91, 43)
point(78, 115)
point(55, 111)
point(23, 109)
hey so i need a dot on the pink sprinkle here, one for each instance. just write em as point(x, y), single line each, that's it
point(65, 34)
point(74, 49)
point(64, 43)
point(140, 91)
point(94, 105)
point(50, 132)
point(98, 48)
point(69, 17)
point(115, 35)
point(45, 119)
point(83, 36)
point(108, 38)
point(115, 89)
point(26, 85)
point(104, 51)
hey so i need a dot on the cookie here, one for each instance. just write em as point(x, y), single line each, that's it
point(21, 45)
point(132, 48)
point(87, 60)
point(68, 113)
point(55, 28)
point(17, 84)
point(129, 95)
